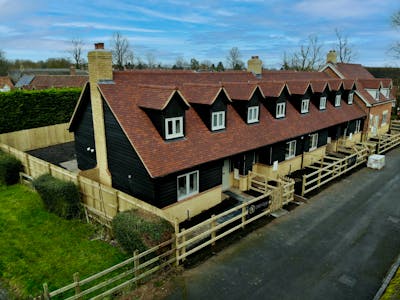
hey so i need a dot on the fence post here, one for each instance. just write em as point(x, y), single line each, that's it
point(46, 294)
point(77, 286)
point(176, 226)
point(303, 185)
point(213, 233)
point(243, 216)
point(183, 241)
point(136, 263)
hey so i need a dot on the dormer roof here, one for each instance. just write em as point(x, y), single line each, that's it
point(157, 97)
point(272, 88)
point(297, 87)
point(241, 91)
point(202, 93)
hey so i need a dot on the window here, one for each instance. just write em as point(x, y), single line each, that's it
point(337, 99)
point(350, 98)
point(173, 127)
point(252, 114)
point(358, 126)
point(188, 185)
point(305, 103)
point(280, 109)
point(218, 120)
point(290, 149)
point(384, 118)
point(377, 94)
point(322, 102)
point(313, 141)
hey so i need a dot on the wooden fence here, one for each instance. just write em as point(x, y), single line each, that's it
point(387, 142)
point(184, 243)
point(101, 202)
point(331, 167)
point(35, 138)
point(395, 126)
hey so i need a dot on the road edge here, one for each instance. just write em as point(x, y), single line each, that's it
point(388, 278)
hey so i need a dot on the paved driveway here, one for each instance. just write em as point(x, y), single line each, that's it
point(338, 246)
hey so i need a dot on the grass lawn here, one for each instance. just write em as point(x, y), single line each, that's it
point(393, 290)
point(38, 247)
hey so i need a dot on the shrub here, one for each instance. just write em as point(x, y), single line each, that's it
point(59, 197)
point(136, 230)
point(30, 109)
point(9, 169)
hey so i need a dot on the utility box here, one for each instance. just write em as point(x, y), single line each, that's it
point(376, 161)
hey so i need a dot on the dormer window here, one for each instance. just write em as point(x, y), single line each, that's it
point(280, 109)
point(218, 120)
point(173, 128)
point(337, 99)
point(377, 94)
point(350, 98)
point(252, 114)
point(322, 102)
point(305, 105)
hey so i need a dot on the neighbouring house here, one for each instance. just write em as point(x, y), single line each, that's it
point(178, 139)
point(39, 79)
point(374, 95)
point(6, 84)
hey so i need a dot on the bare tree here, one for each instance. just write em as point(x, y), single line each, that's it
point(151, 60)
point(233, 59)
point(180, 63)
point(308, 58)
point(121, 50)
point(76, 52)
point(396, 23)
point(344, 48)
point(3, 63)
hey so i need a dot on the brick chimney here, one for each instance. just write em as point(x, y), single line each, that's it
point(100, 69)
point(254, 65)
point(331, 57)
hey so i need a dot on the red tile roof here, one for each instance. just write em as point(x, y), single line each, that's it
point(240, 91)
point(57, 81)
point(293, 75)
point(5, 80)
point(353, 71)
point(272, 88)
point(200, 145)
point(201, 93)
point(298, 87)
point(318, 86)
point(156, 97)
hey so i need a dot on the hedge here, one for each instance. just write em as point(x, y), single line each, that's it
point(59, 197)
point(9, 169)
point(135, 230)
point(23, 109)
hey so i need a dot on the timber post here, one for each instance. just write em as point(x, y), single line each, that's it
point(77, 286)
point(184, 246)
point(213, 233)
point(46, 294)
point(243, 216)
point(303, 185)
point(176, 227)
point(136, 263)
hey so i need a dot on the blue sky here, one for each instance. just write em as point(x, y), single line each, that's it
point(202, 29)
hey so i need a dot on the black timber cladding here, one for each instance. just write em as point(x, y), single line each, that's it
point(205, 111)
point(84, 134)
point(241, 106)
point(127, 170)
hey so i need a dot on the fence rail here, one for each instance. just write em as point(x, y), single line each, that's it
point(387, 142)
point(102, 202)
point(332, 167)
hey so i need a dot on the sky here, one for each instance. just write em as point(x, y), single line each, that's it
point(205, 30)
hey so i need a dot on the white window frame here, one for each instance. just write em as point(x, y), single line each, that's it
point(305, 105)
point(322, 102)
point(290, 150)
point(253, 114)
point(358, 126)
point(218, 120)
point(338, 98)
point(185, 191)
point(175, 133)
point(280, 109)
point(313, 141)
point(377, 94)
point(350, 98)
point(384, 118)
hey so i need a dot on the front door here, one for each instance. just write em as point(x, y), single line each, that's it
point(226, 175)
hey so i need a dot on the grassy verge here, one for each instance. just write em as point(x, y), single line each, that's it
point(392, 292)
point(38, 247)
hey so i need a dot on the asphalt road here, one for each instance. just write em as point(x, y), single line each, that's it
point(339, 245)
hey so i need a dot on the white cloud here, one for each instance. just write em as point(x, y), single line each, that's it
point(104, 26)
point(339, 8)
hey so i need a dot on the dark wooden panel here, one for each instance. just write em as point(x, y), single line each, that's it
point(84, 138)
point(127, 170)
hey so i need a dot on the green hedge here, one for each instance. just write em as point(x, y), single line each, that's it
point(59, 197)
point(31, 109)
point(9, 169)
point(136, 230)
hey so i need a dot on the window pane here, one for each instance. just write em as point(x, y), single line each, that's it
point(221, 119)
point(193, 183)
point(182, 186)
point(170, 127)
point(178, 126)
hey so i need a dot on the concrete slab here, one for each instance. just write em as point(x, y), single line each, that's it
point(70, 165)
point(279, 213)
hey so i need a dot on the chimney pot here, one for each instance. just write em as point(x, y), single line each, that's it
point(99, 46)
